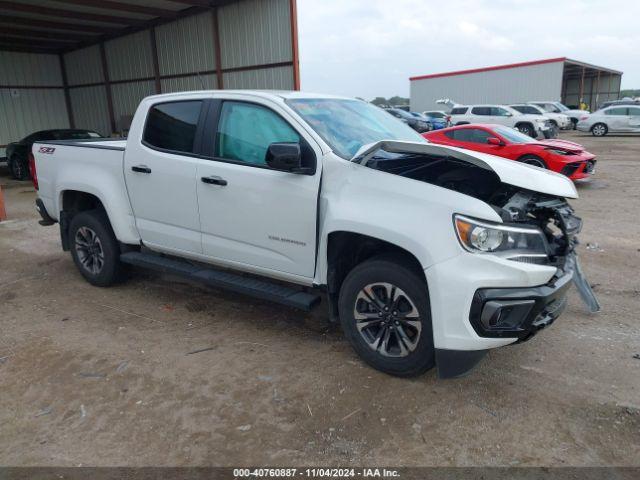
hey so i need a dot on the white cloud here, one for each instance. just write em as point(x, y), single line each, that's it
point(371, 47)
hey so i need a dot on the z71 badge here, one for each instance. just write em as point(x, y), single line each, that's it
point(47, 150)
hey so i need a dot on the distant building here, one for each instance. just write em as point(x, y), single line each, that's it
point(563, 79)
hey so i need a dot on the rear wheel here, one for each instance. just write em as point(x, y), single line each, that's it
point(533, 160)
point(95, 249)
point(599, 130)
point(18, 169)
point(385, 315)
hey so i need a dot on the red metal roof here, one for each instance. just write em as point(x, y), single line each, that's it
point(488, 69)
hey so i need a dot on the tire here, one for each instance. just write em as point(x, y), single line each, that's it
point(384, 278)
point(533, 160)
point(526, 129)
point(599, 130)
point(18, 169)
point(95, 249)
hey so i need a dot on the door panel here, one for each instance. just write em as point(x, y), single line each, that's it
point(253, 215)
point(162, 182)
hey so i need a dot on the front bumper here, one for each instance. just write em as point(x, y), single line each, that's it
point(580, 169)
point(519, 312)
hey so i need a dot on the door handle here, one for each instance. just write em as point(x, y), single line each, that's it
point(214, 180)
point(141, 169)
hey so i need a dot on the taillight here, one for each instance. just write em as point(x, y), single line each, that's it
point(584, 117)
point(32, 170)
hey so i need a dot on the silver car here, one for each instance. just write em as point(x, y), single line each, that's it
point(614, 119)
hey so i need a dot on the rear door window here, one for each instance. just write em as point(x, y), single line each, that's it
point(634, 111)
point(481, 110)
point(172, 126)
point(459, 110)
point(616, 111)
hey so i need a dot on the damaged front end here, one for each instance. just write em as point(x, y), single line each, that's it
point(522, 312)
point(538, 227)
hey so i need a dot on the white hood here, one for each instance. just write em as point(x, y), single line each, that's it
point(510, 172)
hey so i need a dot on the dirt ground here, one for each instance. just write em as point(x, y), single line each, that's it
point(92, 376)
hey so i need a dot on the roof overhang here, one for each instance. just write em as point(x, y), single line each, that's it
point(59, 26)
point(568, 64)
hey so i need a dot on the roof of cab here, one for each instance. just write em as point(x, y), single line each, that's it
point(280, 94)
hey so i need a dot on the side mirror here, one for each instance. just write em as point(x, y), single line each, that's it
point(509, 114)
point(495, 141)
point(286, 157)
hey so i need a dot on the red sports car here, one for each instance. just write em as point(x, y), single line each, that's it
point(560, 156)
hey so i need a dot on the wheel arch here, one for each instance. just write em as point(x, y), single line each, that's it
point(527, 123)
point(346, 249)
point(72, 201)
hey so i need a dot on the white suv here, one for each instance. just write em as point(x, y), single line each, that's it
point(557, 107)
point(558, 120)
point(535, 126)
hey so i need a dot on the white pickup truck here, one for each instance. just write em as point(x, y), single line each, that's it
point(429, 255)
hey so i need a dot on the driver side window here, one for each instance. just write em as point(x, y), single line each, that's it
point(472, 135)
point(246, 130)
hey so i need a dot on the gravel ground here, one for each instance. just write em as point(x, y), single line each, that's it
point(94, 376)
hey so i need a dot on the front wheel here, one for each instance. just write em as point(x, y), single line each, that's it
point(533, 160)
point(95, 249)
point(599, 130)
point(527, 130)
point(385, 315)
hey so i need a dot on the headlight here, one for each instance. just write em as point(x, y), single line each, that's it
point(508, 241)
point(557, 152)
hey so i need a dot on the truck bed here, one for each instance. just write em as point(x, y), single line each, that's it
point(75, 165)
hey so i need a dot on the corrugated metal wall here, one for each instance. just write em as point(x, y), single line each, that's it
point(26, 110)
point(255, 32)
point(521, 84)
point(186, 46)
point(84, 66)
point(279, 78)
point(129, 58)
point(90, 108)
point(252, 33)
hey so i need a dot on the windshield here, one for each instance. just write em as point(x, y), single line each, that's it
point(347, 125)
point(562, 107)
point(513, 135)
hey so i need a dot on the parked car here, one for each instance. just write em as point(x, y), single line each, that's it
point(438, 114)
point(419, 124)
point(429, 255)
point(434, 122)
point(534, 126)
point(558, 120)
point(616, 119)
point(574, 114)
point(567, 158)
point(17, 152)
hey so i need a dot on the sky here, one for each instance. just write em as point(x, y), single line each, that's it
point(370, 48)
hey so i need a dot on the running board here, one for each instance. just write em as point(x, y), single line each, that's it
point(253, 287)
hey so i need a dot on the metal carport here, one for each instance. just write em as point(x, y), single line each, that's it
point(87, 63)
